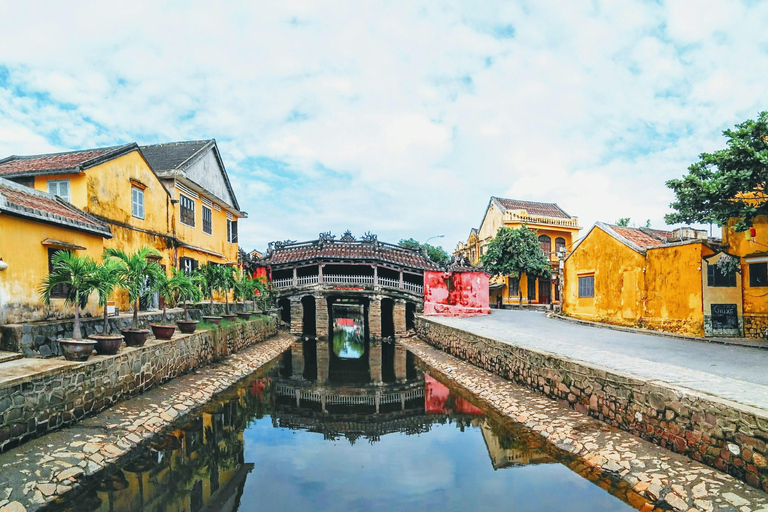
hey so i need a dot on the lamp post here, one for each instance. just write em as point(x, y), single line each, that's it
point(430, 238)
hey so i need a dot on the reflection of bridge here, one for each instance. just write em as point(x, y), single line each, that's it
point(310, 277)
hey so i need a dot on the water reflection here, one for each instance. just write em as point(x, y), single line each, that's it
point(348, 331)
point(292, 439)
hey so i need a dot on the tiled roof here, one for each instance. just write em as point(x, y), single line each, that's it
point(543, 209)
point(60, 163)
point(23, 201)
point(171, 155)
point(658, 233)
point(637, 236)
point(348, 251)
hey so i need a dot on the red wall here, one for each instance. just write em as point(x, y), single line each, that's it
point(456, 293)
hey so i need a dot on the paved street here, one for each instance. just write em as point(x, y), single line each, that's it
point(734, 372)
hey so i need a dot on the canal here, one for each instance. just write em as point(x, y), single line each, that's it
point(295, 437)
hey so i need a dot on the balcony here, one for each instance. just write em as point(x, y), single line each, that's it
point(349, 280)
point(520, 216)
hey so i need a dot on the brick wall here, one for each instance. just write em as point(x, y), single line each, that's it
point(755, 326)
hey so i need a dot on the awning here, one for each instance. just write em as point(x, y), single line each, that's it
point(495, 287)
point(50, 242)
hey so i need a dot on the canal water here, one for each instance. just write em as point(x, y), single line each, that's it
point(337, 427)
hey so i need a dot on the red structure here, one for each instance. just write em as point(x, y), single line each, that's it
point(439, 400)
point(462, 291)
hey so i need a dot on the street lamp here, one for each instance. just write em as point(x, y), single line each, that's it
point(430, 238)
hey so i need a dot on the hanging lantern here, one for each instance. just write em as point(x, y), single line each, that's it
point(752, 233)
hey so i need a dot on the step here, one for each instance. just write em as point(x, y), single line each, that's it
point(9, 356)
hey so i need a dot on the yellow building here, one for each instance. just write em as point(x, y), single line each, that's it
point(751, 247)
point(661, 280)
point(187, 210)
point(556, 230)
point(33, 227)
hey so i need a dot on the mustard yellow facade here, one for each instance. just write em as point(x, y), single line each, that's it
point(555, 229)
point(638, 281)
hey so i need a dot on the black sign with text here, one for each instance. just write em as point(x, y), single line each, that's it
point(725, 316)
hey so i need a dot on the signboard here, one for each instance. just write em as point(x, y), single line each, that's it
point(725, 316)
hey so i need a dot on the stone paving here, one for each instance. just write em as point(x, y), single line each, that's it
point(732, 372)
point(40, 471)
point(659, 479)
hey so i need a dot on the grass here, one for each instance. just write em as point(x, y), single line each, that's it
point(226, 323)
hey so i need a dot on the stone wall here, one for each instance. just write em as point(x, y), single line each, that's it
point(728, 436)
point(34, 405)
point(755, 326)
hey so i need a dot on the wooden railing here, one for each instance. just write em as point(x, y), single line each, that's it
point(362, 280)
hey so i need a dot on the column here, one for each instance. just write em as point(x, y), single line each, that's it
point(321, 317)
point(297, 316)
point(374, 362)
point(374, 318)
point(323, 360)
point(297, 360)
point(320, 273)
point(400, 358)
point(398, 315)
point(376, 275)
point(295, 277)
point(401, 279)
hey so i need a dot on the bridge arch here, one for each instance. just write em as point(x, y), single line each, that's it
point(309, 316)
point(410, 315)
point(387, 318)
point(285, 310)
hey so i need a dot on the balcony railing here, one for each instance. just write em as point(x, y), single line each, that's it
point(385, 282)
point(518, 216)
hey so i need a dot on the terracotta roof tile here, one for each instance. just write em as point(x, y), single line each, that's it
point(543, 209)
point(637, 237)
point(23, 201)
point(355, 251)
point(72, 161)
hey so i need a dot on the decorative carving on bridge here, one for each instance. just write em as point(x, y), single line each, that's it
point(347, 237)
point(279, 245)
point(369, 238)
point(325, 238)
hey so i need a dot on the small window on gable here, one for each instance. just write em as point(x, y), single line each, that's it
point(59, 188)
point(758, 274)
point(587, 286)
point(137, 202)
point(207, 220)
point(716, 278)
point(187, 210)
point(231, 231)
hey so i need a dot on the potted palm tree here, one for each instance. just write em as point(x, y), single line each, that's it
point(228, 280)
point(166, 288)
point(210, 276)
point(108, 277)
point(188, 290)
point(140, 276)
point(244, 290)
point(75, 273)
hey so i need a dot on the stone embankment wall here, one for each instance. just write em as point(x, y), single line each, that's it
point(723, 434)
point(38, 339)
point(32, 406)
point(755, 325)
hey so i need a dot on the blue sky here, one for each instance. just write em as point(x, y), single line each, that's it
point(400, 118)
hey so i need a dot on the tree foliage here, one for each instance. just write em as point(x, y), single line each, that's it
point(140, 275)
point(729, 183)
point(76, 274)
point(623, 222)
point(434, 253)
point(515, 252)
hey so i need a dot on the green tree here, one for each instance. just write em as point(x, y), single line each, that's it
point(76, 274)
point(187, 289)
point(729, 183)
point(434, 253)
point(623, 222)
point(140, 275)
point(109, 276)
point(514, 252)
point(212, 278)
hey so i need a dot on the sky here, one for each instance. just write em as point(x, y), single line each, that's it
point(401, 118)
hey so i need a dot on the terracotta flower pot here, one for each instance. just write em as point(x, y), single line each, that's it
point(244, 316)
point(187, 326)
point(76, 350)
point(212, 319)
point(107, 344)
point(135, 337)
point(163, 332)
point(229, 318)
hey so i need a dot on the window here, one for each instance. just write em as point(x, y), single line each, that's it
point(758, 274)
point(137, 202)
point(207, 220)
point(715, 277)
point(559, 245)
point(546, 244)
point(59, 188)
point(187, 206)
point(231, 231)
point(531, 289)
point(188, 265)
point(514, 286)
point(62, 290)
point(587, 286)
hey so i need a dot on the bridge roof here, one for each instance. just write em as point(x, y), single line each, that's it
point(326, 249)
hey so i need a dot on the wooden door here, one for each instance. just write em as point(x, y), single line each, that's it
point(545, 291)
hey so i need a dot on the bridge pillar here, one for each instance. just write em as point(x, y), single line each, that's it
point(297, 360)
point(323, 361)
point(321, 317)
point(374, 318)
point(297, 316)
point(374, 362)
point(398, 314)
point(400, 358)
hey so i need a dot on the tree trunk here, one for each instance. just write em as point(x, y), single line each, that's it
point(212, 314)
point(186, 313)
point(165, 318)
point(226, 301)
point(136, 314)
point(519, 297)
point(76, 326)
point(106, 322)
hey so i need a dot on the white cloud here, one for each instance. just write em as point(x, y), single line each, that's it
point(395, 117)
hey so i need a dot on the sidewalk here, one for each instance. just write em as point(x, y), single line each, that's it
point(734, 372)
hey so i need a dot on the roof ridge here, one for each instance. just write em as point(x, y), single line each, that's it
point(71, 152)
point(523, 201)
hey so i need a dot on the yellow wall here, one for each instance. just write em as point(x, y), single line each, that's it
point(78, 187)
point(741, 244)
point(27, 258)
point(216, 241)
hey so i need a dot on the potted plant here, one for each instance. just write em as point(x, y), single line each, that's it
point(187, 290)
point(166, 288)
point(210, 276)
point(262, 294)
point(75, 273)
point(140, 277)
point(227, 284)
point(108, 276)
point(244, 290)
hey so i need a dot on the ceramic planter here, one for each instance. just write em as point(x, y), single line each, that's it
point(187, 326)
point(163, 332)
point(135, 337)
point(212, 320)
point(76, 350)
point(244, 316)
point(229, 318)
point(107, 344)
